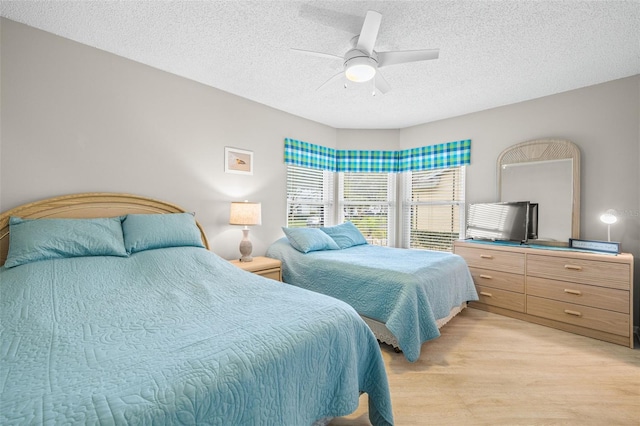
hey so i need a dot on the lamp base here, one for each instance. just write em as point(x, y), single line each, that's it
point(246, 247)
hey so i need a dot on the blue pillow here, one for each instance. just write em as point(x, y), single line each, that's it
point(31, 240)
point(345, 235)
point(154, 231)
point(309, 239)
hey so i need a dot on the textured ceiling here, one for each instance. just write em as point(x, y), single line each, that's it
point(492, 53)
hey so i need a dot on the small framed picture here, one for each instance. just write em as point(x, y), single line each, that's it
point(593, 245)
point(238, 161)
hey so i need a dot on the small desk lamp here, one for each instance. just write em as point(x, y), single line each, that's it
point(246, 214)
point(609, 217)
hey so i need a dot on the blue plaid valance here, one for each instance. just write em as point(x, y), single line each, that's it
point(366, 161)
point(444, 155)
point(441, 156)
point(305, 154)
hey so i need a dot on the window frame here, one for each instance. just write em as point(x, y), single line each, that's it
point(327, 202)
point(390, 203)
point(408, 204)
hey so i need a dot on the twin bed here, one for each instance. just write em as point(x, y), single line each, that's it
point(131, 320)
point(405, 296)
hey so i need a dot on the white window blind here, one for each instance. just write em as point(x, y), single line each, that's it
point(309, 197)
point(434, 208)
point(368, 200)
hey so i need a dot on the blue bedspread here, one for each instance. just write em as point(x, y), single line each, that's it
point(407, 290)
point(178, 336)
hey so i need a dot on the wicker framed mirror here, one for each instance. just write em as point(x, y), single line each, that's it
point(547, 172)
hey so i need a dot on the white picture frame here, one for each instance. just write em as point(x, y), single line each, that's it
point(238, 161)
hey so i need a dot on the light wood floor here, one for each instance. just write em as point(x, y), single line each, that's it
point(486, 369)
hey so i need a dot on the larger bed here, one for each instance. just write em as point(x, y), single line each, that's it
point(171, 335)
point(404, 295)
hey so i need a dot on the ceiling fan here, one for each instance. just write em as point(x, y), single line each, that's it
point(362, 63)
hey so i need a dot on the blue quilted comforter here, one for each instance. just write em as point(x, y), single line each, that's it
point(407, 290)
point(178, 336)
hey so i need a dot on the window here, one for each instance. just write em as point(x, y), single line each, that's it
point(367, 200)
point(309, 197)
point(434, 208)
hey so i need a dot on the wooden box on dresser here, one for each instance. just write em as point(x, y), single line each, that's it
point(584, 293)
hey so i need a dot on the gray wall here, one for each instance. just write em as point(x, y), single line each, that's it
point(77, 119)
point(602, 120)
point(383, 140)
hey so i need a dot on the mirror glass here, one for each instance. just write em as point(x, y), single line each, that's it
point(545, 172)
point(521, 182)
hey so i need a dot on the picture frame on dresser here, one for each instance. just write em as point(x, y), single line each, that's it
point(610, 247)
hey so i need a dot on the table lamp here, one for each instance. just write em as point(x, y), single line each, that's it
point(246, 214)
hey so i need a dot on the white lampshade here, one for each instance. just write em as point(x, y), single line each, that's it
point(245, 213)
point(609, 217)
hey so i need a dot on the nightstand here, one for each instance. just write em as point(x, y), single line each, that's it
point(265, 266)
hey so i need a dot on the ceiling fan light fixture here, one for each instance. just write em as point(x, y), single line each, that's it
point(361, 62)
point(360, 69)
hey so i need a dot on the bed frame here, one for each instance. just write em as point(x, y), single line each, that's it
point(86, 205)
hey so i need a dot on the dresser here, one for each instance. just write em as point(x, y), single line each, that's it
point(265, 266)
point(584, 293)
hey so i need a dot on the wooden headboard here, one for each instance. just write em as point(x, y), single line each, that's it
point(87, 205)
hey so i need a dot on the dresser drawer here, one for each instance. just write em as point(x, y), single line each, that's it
point(500, 298)
point(583, 316)
point(604, 274)
point(492, 259)
point(580, 294)
point(498, 279)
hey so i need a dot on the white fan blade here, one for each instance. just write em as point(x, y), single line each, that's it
point(331, 80)
point(402, 56)
point(369, 32)
point(381, 84)
point(320, 54)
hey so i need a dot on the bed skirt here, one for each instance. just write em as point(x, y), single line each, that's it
point(383, 334)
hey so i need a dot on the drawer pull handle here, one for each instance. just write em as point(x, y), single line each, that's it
point(576, 292)
point(573, 267)
point(574, 313)
point(484, 293)
point(486, 256)
point(485, 276)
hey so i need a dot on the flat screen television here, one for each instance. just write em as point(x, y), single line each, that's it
point(507, 221)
